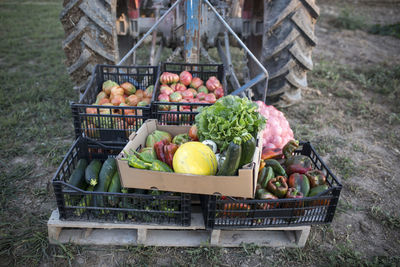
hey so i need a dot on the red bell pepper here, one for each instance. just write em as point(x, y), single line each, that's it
point(316, 178)
point(169, 151)
point(293, 193)
point(298, 163)
point(289, 148)
point(278, 186)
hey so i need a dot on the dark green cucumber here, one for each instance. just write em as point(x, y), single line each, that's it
point(77, 178)
point(92, 172)
point(315, 191)
point(248, 148)
point(276, 166)
point(106, 174)
point(232, 158)
point(115, 187)
point(85, 201)
point(269, 175)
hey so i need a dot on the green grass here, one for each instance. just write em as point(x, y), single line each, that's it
point(387, 218)
point(391, 30)
point(349, 20)
point(36, 123)
point(344, 165)
point(34, 84)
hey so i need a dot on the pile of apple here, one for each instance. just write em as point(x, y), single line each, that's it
point(125, 94)
point(184, 88)
point(112, 96)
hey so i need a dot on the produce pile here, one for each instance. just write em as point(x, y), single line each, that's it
point(111, 97)
point(222, 141)
point(289, 176)
point(184, 88)
point(103, 177)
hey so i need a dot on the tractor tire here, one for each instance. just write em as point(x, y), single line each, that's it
point(90, 38)
point(285, 49)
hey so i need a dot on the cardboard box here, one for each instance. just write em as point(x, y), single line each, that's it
point(243, 185)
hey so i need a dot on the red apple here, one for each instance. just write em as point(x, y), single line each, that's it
point(187, 94)
point(193, 91)
point(175, 77)
point(201, 95)
point(103, 101)
point(184, 107)
point(202, 89)
point(219, 92)
point(166, 78)
point(213, 83)
point(173, 86)
point(196, 82)
point(165, 89)
point(175, 97)
point(132, 100)
point(185, 77)
point(163, 97)
point(180, 87)
point(210, 98)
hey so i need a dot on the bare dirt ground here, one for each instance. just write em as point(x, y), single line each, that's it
point(354, 127)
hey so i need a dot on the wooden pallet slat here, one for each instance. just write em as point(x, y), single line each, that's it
point(96, 233)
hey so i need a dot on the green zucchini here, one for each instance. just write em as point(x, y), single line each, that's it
point(85, 201)
point(232, 158)
point(115, 187)
point(248, 148)
point(77, 178)
point(92, 172)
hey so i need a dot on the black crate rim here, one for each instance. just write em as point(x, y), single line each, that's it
point(332, 195)
point(183, 215)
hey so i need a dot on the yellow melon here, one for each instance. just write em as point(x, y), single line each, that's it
point(195, 158)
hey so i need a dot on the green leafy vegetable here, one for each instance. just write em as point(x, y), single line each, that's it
point(230, 117)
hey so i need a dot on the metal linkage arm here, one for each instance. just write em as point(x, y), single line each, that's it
point(259, 77)
point(149, 32)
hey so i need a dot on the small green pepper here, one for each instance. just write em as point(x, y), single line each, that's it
point(134, 162)
point(145, 156)
point(160, 166)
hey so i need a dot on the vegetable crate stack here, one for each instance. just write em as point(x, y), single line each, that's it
point(183, 89)
point(223, 157)
point(87, 184)
point(116, 102)
point(87, 187)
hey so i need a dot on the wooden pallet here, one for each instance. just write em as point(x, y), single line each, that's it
point(95, 233)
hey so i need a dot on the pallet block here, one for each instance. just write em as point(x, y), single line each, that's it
point(96, 233)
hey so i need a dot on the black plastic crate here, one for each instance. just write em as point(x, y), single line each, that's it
point(229, 212)
point(155, 207)
point(181, 117)
point(110, 125)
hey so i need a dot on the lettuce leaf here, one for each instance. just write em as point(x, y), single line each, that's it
point(229, 117)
